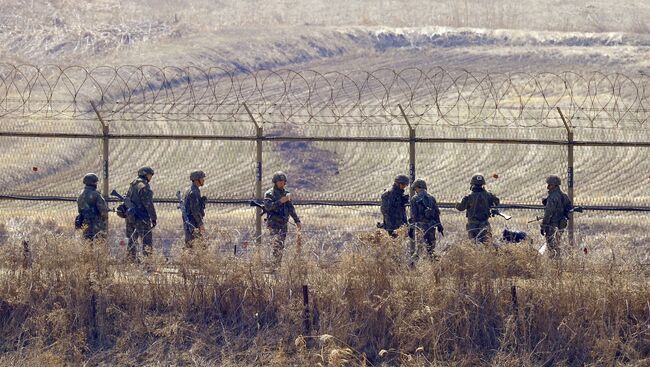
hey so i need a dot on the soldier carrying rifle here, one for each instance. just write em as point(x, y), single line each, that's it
point(425, 218)
point(194, 209)
point(278, 207)
point(141, 215)
point(93, 211)
point(557, 209)
point(393, 205)
point(478, 205)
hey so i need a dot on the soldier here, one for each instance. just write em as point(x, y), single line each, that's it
point(478, 204)
point(93, 211)
point(557, 207)
point(393, 205)
point(194, 209)
point(141, 215)
point(425, 217)
point(277, 202)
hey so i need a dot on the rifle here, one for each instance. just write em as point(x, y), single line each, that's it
point(258, 205)
point(264, 211)
point(117, 195)
point(121, 209)
point(181, 206)
point(577, 209)
point(496, 212)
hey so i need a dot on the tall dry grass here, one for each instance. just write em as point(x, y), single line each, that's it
point(63, 302)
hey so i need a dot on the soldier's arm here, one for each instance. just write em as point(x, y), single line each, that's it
point(195, 208)
point(270, 204)
point(146, 197)
point(436, 210)
point(463, 204)
point(385, 204)
point(414, 209)
point(552, 206)
point(102, 207)
point(292, 213)
point(494, 200)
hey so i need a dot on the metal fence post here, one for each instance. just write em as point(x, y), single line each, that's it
point(258, 175)
point(413, 240)
point(105, 141)
point(411, 146)
point(570, 192)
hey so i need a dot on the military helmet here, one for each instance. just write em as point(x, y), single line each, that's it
point(402, 179)
point(477, 180)
point(279, 176)
point(419, 184)
point(197, 175)
point(90, 179)
point(145, 171)
point(553, 180)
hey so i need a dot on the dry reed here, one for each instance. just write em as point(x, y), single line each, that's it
point(64, 302)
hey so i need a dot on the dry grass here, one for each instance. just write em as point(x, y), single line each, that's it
point(73, 304)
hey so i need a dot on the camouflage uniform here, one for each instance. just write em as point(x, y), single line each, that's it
point(277, 216)
point(93, 209)
point(556, 212)
point(478, 205)
point(393, 206)
point(425, 217)
point(141, 216)
point(195, 209)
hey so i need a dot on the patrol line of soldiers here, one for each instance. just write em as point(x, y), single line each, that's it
point(478, 207)
point(140, 214)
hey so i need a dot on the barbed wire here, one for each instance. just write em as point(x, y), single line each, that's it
point(306, 97)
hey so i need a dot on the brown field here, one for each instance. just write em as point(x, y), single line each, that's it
point(67, 303)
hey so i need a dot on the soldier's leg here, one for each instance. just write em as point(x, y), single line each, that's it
point(484, 233)
point(188, 238)
point(88, 232)
point(100, 232)
point(132, 235)
point(146, 232)
point(473, 230)
point(413, 233)
point(279, 234)
point(430, 240)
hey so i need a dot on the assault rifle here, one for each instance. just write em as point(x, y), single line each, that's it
point(258, 205)
point(254, 203)
point(121, 209)
point(576, 209)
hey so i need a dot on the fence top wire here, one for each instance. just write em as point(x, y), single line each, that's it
point(438, 97)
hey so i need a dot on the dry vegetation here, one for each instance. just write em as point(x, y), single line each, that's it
point(67, 303)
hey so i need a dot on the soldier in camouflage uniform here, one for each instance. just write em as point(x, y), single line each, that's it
point(557, 208)
point(141, 215)
point(425, 217)
point(194, 208)
point(93, 211)
point(478, 205)
point(277, 202)
point(393, 205)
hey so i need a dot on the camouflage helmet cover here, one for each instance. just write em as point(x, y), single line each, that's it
point(197, 175)
point(90, 179)
point(145, 171)
point(419, 184)
point(279, 176)
point(402, 179)
point(477, 180)
point(553, 180)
